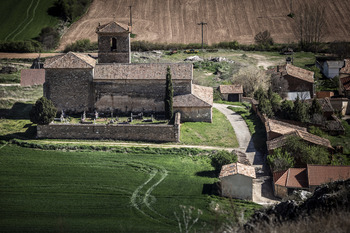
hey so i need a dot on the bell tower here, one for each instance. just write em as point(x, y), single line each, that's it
point(113, 43)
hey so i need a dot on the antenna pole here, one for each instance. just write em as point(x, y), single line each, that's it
point(202, 24)
point(130, 24)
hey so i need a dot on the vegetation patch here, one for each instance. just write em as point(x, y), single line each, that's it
point(218, 133)
point(102, 191)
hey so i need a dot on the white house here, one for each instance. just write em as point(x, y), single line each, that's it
point(331, 68)
point(237, 181)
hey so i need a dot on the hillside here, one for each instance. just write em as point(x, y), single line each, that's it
point(24, 19)
point(173, 21)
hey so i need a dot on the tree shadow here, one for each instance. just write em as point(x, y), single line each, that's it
point(210, 174)
point(212, 189)
point(19, 111)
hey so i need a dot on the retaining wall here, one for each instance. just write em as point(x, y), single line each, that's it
point(147, 132)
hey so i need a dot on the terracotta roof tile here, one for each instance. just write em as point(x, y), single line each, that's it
point(182, 71)
point(281, 127)
point(325, 104)
point(300, 73)
point(294, 178)
point(346, 83)
point(204, 93)
point(346, 68)
point(237, 168)
point(189, 100)
point(70, 60)
point(231, 89)
point(311, 138)
point(320, 174)
point(112, 27)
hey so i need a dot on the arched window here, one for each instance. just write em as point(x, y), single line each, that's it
point(113, 44)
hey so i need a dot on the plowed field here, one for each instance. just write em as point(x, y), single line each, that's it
point(177, 20)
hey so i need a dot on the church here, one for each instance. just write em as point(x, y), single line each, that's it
point(76, 82)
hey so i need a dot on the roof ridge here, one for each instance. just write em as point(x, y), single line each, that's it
point(287, 177)
point(77, 56)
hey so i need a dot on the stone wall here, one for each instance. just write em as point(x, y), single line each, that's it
point(237, 186)
point(147, 132)
point(70, 89)
point(297, 85)
point(119, 54)
point(193, 114)
point(30, 77)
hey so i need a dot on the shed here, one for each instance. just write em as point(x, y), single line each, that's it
point(331, 68)
point(231, 93)
point(237, 181)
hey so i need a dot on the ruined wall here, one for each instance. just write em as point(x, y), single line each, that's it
point(193, 114)
point(118, 54)
point(30, 77)
point(157, 133)
point(70, 89)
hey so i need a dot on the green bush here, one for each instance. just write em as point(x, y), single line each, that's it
point(43, 112)
point(83, 45)
point(221, 158)
point(28, 46)
point(280, 160)
point(69, 10)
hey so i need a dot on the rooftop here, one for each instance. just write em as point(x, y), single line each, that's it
point(300, 73)
point(237, 168)
point(151, 71)
point(346, 83)
point(189, 100)
point(336, 64)
point(204, 93)
point(320, 174)
point(70, 60)
point(112, 27)
point(294, 178)
point(325, 104)
point(281, 127)
point(231, 89)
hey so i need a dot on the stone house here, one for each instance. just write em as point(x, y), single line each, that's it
point(284, 183)
point(345, 71)
point(237, 181)
point(300, 81)
point(233, 93)
point(77, 82)
point(344, 88)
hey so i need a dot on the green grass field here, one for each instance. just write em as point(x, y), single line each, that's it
point(217, 133)
point(50, 191)
point(24, 19)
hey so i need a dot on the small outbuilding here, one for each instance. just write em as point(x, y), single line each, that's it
point(231, 93)
point(237, 181)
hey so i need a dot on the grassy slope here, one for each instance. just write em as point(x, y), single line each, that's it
point(217, 133)
point(13, 15)
point(44, 191)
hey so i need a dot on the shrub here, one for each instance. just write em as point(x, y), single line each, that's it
point(49, 38)
point(169, 93)
point(28, 46)
point(280, 160)
point(263, 38)
point(221, 158)
point(43, 112)
point(83, 45)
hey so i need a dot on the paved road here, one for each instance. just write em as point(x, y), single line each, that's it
point(262, 185)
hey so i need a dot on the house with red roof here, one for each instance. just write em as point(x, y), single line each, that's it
point(308, 178)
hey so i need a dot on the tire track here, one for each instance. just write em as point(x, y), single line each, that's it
point(20, 25)
point(25, 26)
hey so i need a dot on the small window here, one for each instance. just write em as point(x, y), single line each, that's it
point(113, 44)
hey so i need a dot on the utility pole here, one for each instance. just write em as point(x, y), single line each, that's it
point(130, 24)
point(202, 23)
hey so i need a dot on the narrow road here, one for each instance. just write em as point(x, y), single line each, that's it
point(262, 185)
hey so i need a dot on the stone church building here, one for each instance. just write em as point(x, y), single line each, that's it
point(77, 82)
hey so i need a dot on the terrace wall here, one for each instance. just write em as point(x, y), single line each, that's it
point(154, 133)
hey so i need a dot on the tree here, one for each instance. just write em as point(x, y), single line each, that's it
point(287, 108)
point(251, 78)
point(265, 107)
point(259, 94)
point(263, 38)
point(279, 85)
point(280, 160)
point(275, 101)
point(300, 112)
point(169, 93)
point(43, 112)
point(316, 112)
point(310, 25)
point(222, 158)
point(49, 37)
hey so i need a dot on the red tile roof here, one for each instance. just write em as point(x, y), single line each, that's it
point(320, 174)
point(231, 89)
point(346, 83)
point(294, 178)
point(300, 73)
point(237, 168)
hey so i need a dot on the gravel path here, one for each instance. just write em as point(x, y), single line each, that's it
point(262, 185)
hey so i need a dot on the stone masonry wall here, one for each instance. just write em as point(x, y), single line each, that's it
point(192, 114)
point(155, 133)
point(119, 55)
point(30, 77)
point(70, 89)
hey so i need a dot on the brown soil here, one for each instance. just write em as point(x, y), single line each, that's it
point(175, 21)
